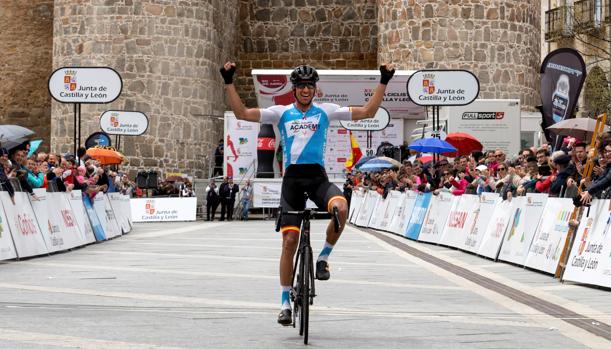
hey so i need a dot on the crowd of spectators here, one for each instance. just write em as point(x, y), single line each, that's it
point(533, 170)
point(56, 172)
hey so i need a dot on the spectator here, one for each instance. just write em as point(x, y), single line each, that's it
point(604, 181)
point(4, 176)
point(224, 196)
point(246, 197)
point(235, 189)
point(561, 161)
point(212, 200)
point(35, 177)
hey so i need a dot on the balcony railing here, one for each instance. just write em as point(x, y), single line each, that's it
point(558, 23)
point(587, 15)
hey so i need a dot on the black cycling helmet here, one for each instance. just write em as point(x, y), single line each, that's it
point(304, 73)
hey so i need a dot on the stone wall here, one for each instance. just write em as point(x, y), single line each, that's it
point(499, 40)
point(168, 54)
point(25, 64)
point(328, 34)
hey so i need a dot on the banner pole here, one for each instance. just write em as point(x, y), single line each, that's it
point(79, 126)
point(587, 174)
point(75, 127)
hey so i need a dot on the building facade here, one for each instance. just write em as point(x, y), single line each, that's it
point(168, 53)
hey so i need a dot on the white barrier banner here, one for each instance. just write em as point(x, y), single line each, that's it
point(589, 258)
point(355, 204)
point(76, 203)
point(106, 215)
point(371, 200)
point(393, 199)
point(460, 221)
point(493, 237)
point(7, 248)
point(522, 229)
point(24, 227)
point(402, 218)
point(487, 205)
point(49, 228)
point(266, 194)
point(240, 150)
point(116, 201)
point(436, 217)
point(163, 209)
point(544, 253)
point(378, 213)
point(395, 219)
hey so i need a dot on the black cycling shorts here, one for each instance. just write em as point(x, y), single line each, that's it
point(305, 178)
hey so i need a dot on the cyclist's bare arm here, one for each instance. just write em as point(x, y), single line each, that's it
point(233, 98)
point(371, 107)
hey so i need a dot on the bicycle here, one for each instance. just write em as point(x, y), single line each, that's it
point(303, 270)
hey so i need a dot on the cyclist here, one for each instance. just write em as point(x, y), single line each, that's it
point(303, 127)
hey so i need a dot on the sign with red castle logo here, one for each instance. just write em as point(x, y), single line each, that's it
point(85, 85)
point(149, 207)
point(124, 123)
point(442, 87)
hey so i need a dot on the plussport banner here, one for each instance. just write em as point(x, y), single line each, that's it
point(163, 209)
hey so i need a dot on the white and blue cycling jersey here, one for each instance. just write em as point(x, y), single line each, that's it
point(304, 135)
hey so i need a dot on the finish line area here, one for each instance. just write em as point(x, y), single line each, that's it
point(215, 285)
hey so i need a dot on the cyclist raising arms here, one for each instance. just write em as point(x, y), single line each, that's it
point(303, 126)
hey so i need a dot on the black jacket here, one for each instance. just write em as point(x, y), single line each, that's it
point(225, 191)
point(603, 182)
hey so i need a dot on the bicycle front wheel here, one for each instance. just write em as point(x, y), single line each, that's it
point(305, 305)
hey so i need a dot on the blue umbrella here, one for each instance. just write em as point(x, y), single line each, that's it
point(432, 145)
point(378, 164)
point(362, 160)
point(34, 146)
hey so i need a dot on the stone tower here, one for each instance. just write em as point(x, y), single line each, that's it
point(168, 54)
point(328, 34)
point(499, 40)
point(25, 64)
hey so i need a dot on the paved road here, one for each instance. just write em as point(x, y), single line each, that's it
point(214, 285)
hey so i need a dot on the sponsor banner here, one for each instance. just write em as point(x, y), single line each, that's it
point(355, 204)
point(75, 198)
point(393, 134)
point(495, 232)
point(85, 85)
point(460, 222)
point(124, 123)
point(443, 87)
point(393, 198)
point(403, 214)
point(337, 148)
point(163, 209)
point(127, 210)
point(378, 212)
point(421, 206)
point(563, 73)
point(475, 235)
point(56, 221)
point(522, 228)
point(266, 194)
point(7, 248)
point(23, 225)
point(393, 227)
point(495, 123)
point(547, 245)
point(371, 201)
point(96, 223)
point(379, 122)
point(240, 149)
point(345, 88)
point(106, 215)
point(116, 202)
point(436, 217)
point(590, 258)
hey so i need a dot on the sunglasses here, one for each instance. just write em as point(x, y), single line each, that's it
point(502, 168)
point(303, 85)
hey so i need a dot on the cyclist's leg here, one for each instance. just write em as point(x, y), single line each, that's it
point(328, 195)
point(291, 200)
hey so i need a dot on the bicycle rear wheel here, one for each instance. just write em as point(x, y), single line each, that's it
point(305, 305)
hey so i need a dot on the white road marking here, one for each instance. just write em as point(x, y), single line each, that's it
point(266, 308)
point(71, 341)
point(166, 232)
point(568, 330)
point(231, 246)
point(236, 275)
